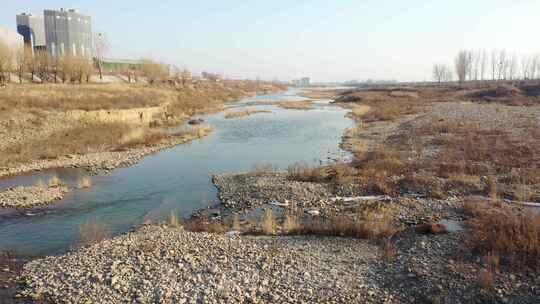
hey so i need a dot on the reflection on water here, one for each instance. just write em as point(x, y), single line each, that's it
point(179, 179)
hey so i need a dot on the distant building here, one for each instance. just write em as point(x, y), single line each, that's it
point(68, 33)
point(305, 82)
point(302, 82)
point(32, 28)
point(11, 38)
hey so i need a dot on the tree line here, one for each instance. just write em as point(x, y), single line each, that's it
point(25, 62)
point(481, 65)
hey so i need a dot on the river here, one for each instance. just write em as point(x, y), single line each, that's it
point(178, 179)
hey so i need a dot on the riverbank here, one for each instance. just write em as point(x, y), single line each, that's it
point(169, 264)
point(92, 126)
point(444, 246)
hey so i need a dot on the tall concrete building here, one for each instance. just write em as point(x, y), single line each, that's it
point(11, 38)
point(32, 28)
point(68, 33)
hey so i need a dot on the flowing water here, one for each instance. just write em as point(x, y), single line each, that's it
point(177, 179)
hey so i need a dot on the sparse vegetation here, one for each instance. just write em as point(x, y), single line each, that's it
point(238, 114)
point(499, 231)
point(268, 223)
point(296, 105)
point(173, 221)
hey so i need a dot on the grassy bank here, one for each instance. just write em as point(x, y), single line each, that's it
point(37, 124)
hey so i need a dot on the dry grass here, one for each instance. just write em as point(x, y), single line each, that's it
point(172, 220)
point(29, 114)
point(374, 223)
point(238, 114)
point(344, 227)
point(306, 173)
point(268, 223)
point(291, 222)
point(63, 97)
point(498, 229)
point(296, 105)
point(236, 223)
point(91, 138)
point(203, 225)
point(486, 280)
point(92, 232)
point(388, 251)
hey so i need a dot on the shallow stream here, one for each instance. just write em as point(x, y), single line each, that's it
point(177, 179)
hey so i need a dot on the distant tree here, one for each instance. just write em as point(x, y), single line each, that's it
point(483, 64)
point(100, 48)
point(462, 64)
point(439, 71)
point(6, 62)
point(513, 67)
point(154, 71)
point(42, 64)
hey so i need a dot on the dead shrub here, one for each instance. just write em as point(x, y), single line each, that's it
point(388, 251)
point(515, 236)
point(268, 223)
point(486, 280)
point(305, 173)
point(341, 226)
point(202, 225)
point(173, 221)
point(291, 223)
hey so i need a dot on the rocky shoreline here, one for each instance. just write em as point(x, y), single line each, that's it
point(243, 192)
point(161, 264)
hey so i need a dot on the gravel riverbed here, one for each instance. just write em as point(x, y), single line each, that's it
point(28, 197)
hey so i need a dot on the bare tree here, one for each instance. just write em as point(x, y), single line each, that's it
point(502, 63)
point(439, 71)
point(483, 64)
point(494, 63)
point(462, 65)
point(6, 62)
point(154, 71)
point(100, 48)
point(513, 67)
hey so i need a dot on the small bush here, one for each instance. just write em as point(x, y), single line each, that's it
point(173, 221)
point(291, 223)
point(268, 224)
point(306, 173)
point(388, 251)
point(486, 279)
point(515, 236)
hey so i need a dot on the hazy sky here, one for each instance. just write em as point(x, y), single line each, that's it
point(327, 40)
